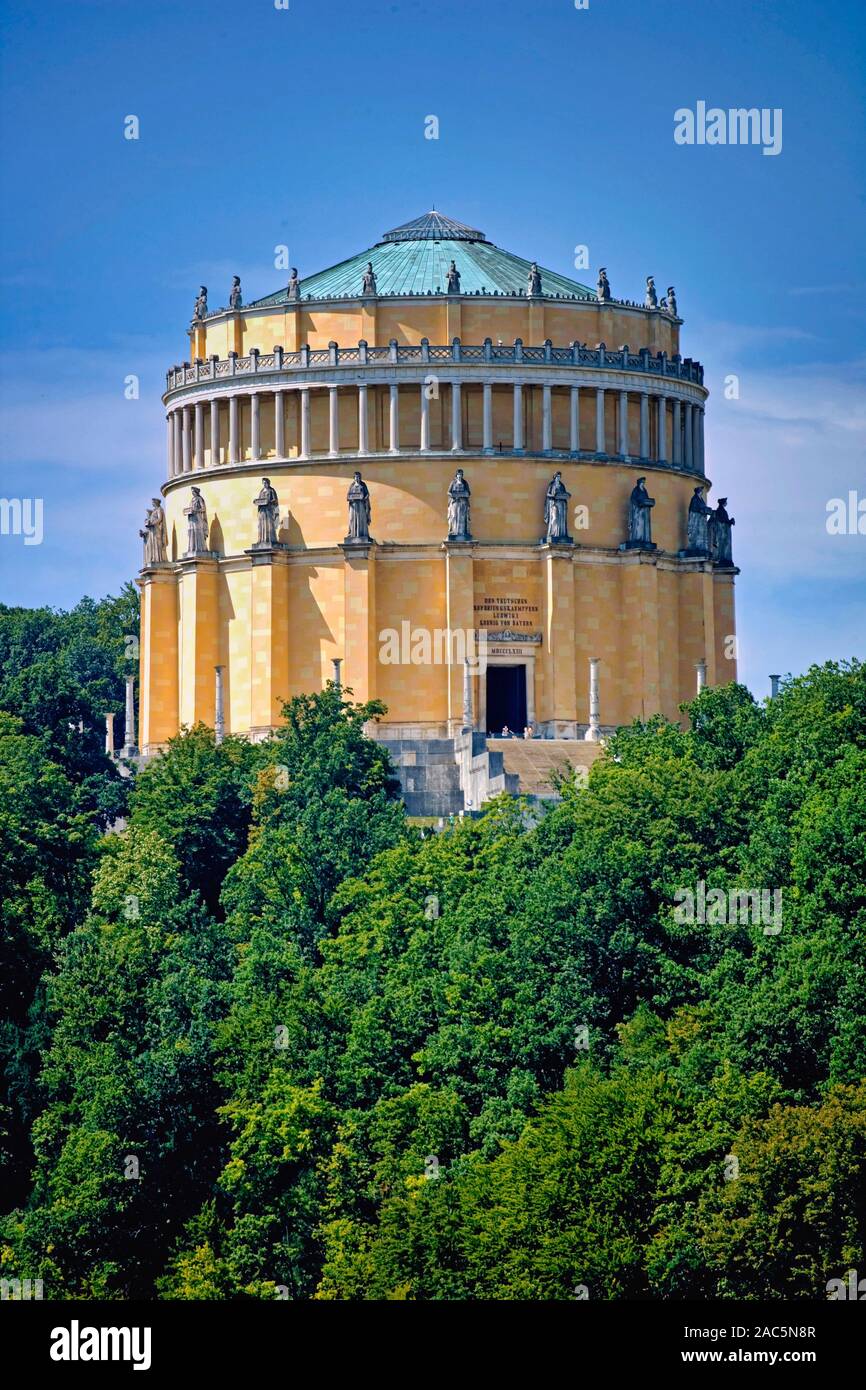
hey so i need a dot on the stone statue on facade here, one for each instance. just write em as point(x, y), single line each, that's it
point(267, 506)
point(453, 279)
point(697, 542)
point(651, 300)
point(533, 280)
point(155, 534)
point(235, 293)
point(369, 282)
point(556, 512)
point(602, 288)
point(672, 301)
point(458, 508)
point(639, 517)
point(721, 548)
point(199, 312)
point(360, 514)
point(294, 290)
point(197, 525)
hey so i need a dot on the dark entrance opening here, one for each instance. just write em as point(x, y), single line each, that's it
point(506, 698)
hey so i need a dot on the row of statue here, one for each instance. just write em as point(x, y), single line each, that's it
point(200, 309)
point(368, 287)
point(708, 529)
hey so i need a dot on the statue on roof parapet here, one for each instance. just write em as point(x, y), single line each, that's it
point(603, 287)
point(533, 280)
point(294, 290)
point(368, 285)
point(199, 312)
point(235, 299)
point(453, 279)
point(651, 299)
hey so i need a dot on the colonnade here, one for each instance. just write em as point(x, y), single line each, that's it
point(682, 446)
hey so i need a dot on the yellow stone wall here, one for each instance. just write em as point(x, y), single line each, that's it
point(436, 318)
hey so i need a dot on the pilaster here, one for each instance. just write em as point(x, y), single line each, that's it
point(158, 669)
point(559, 629)
point(361, 646)
point(270, 638)
point(459, 617)
point(200, 646)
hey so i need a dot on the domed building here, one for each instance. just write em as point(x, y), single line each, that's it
point(475, 483)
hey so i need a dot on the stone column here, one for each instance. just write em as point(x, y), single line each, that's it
point(574, 420)
point(305, 422)
point(255, 426)
point(689, 436)
point(774, 686)
point(169, 446)
point(109, 735)
point(487, 440)
point(130, 747)
point(333, 420)
point(425, 419)
point(234, 430)
point(623, 423)
point(219, 720)
point(663, 428)
point(363, 421)
point(456, 417)
point(699, 438)
point(599, 422)
point(187, 439)
point(279, 425)
point(546, 420)
point(394, 419)
point(199, 434)
point(593, 734)
point(337, 662)
point(517, 441)
point(214, 432)
point(176, 447)
point(467, 696)
point(676, 433)
point(701, 673)
point(644, 425)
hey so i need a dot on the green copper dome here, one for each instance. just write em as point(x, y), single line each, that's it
point(413, 259)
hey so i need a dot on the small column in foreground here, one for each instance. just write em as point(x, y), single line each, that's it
point(130, 748)
point(219, 722)
point(593, 733)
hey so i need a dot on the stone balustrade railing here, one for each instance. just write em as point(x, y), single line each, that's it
point(575, 355)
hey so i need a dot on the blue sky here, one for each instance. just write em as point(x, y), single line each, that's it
point(305, 126)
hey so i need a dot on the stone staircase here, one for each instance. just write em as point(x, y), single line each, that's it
point(533, 761)
point(443, 776)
